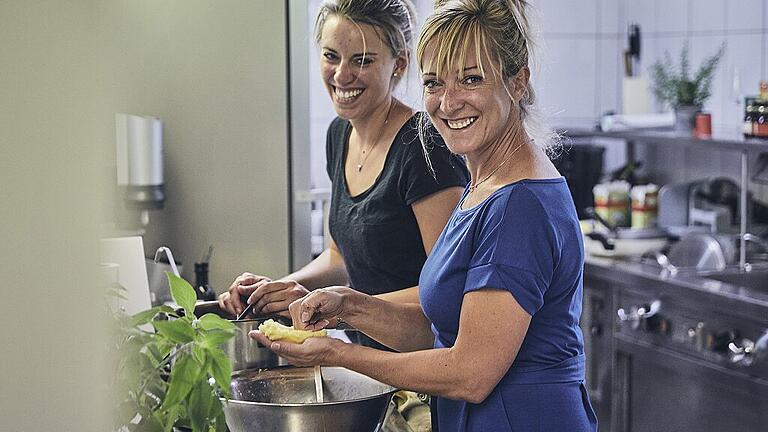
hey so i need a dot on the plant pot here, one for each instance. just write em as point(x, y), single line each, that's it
point(685, 118)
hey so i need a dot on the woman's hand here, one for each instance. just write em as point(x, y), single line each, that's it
point(313, 351)
point(243, 286)
point(315, 311)
point(275, 296)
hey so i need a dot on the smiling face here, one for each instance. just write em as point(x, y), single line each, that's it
point(357, 67)
point(469, 108)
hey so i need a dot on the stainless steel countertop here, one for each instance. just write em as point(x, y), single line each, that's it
point(641, 275)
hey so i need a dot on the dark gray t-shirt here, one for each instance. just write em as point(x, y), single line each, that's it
point(376, 231)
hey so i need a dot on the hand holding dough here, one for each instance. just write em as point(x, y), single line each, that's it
point(276, 331)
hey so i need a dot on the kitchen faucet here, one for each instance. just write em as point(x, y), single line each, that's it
point(169, 254)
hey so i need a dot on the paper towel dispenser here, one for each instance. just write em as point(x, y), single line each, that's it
point(140, 161)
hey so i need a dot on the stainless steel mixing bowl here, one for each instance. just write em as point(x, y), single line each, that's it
point(283, 400)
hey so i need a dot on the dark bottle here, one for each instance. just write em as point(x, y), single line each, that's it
point(203, 289)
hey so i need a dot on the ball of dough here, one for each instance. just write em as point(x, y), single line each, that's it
point(276, 331)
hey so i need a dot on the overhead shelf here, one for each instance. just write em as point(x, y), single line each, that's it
point(667, 137)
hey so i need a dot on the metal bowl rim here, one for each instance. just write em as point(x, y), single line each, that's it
point(242, 402)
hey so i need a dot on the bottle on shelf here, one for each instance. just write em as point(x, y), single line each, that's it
point(760, 127)
point(749, 117)
point(203, 288)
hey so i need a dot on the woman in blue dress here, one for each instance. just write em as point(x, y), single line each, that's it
point(496, 336)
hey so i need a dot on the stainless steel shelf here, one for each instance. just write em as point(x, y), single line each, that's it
point(726, 142)
point(738, 143)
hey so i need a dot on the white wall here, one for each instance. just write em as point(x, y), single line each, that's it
point(215, 72)
point(52, 337)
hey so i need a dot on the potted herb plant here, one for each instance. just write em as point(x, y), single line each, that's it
point(686, 93)
point(170, 369)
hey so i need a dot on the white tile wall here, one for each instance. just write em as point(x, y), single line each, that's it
point(568, 16)
point(671, 16)
point(567, 77)
point(642, 12)
point(610, 11)
point(710, 16)
point(608, 80)
point(745, 14)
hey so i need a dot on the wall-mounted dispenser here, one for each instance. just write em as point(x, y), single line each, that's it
point(140, 162)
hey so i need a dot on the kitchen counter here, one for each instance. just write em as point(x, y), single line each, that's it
point(637, 274)
point(669, 346)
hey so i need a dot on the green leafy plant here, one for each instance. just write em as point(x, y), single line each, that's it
point(172, 376)
point(675, 85)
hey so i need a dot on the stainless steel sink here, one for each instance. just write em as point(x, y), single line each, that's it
point(756, 280)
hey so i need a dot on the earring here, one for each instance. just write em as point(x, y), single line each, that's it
point(394, 74)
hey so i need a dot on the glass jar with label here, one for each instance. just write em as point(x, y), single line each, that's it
point(612, 202)
point(645, 201)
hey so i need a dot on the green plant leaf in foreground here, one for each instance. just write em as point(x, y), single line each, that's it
point(200, 402)
point(177, 330)
point(183, 293)
point(183, 376)
point(221, 369)
point(211, 321)
point(144, 317)
point(216, 337)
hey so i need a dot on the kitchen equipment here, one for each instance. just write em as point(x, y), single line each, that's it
point(283, 400)
point(706, 204)
point(620, 242)
point(246, 311)
point(700, 252)
point(139, 151)
point(128, 254)
point(686, 362)
point(318, 384)
point(243, 352)
point(160, 291)
point(246, 353)
point(582, 167)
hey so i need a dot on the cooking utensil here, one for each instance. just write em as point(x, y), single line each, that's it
point(318, 384)
point(243, 352)
point(246, 311)
point(246, 353)
point(634, 49)
point(283, 400)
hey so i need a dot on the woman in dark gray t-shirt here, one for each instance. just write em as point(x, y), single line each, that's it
point(387, 206)
point(377, 231)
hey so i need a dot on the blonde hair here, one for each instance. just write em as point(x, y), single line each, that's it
point(498, 30)
point(392, 19)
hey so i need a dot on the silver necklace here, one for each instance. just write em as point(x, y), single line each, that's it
point(363, 156)
point(473, 187)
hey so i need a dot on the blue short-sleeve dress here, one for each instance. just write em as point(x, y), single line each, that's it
point(524, 238)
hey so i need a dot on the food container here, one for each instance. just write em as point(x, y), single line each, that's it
point(246, 353)
point(612, 202)
point(645, 202)
point(283, 400)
